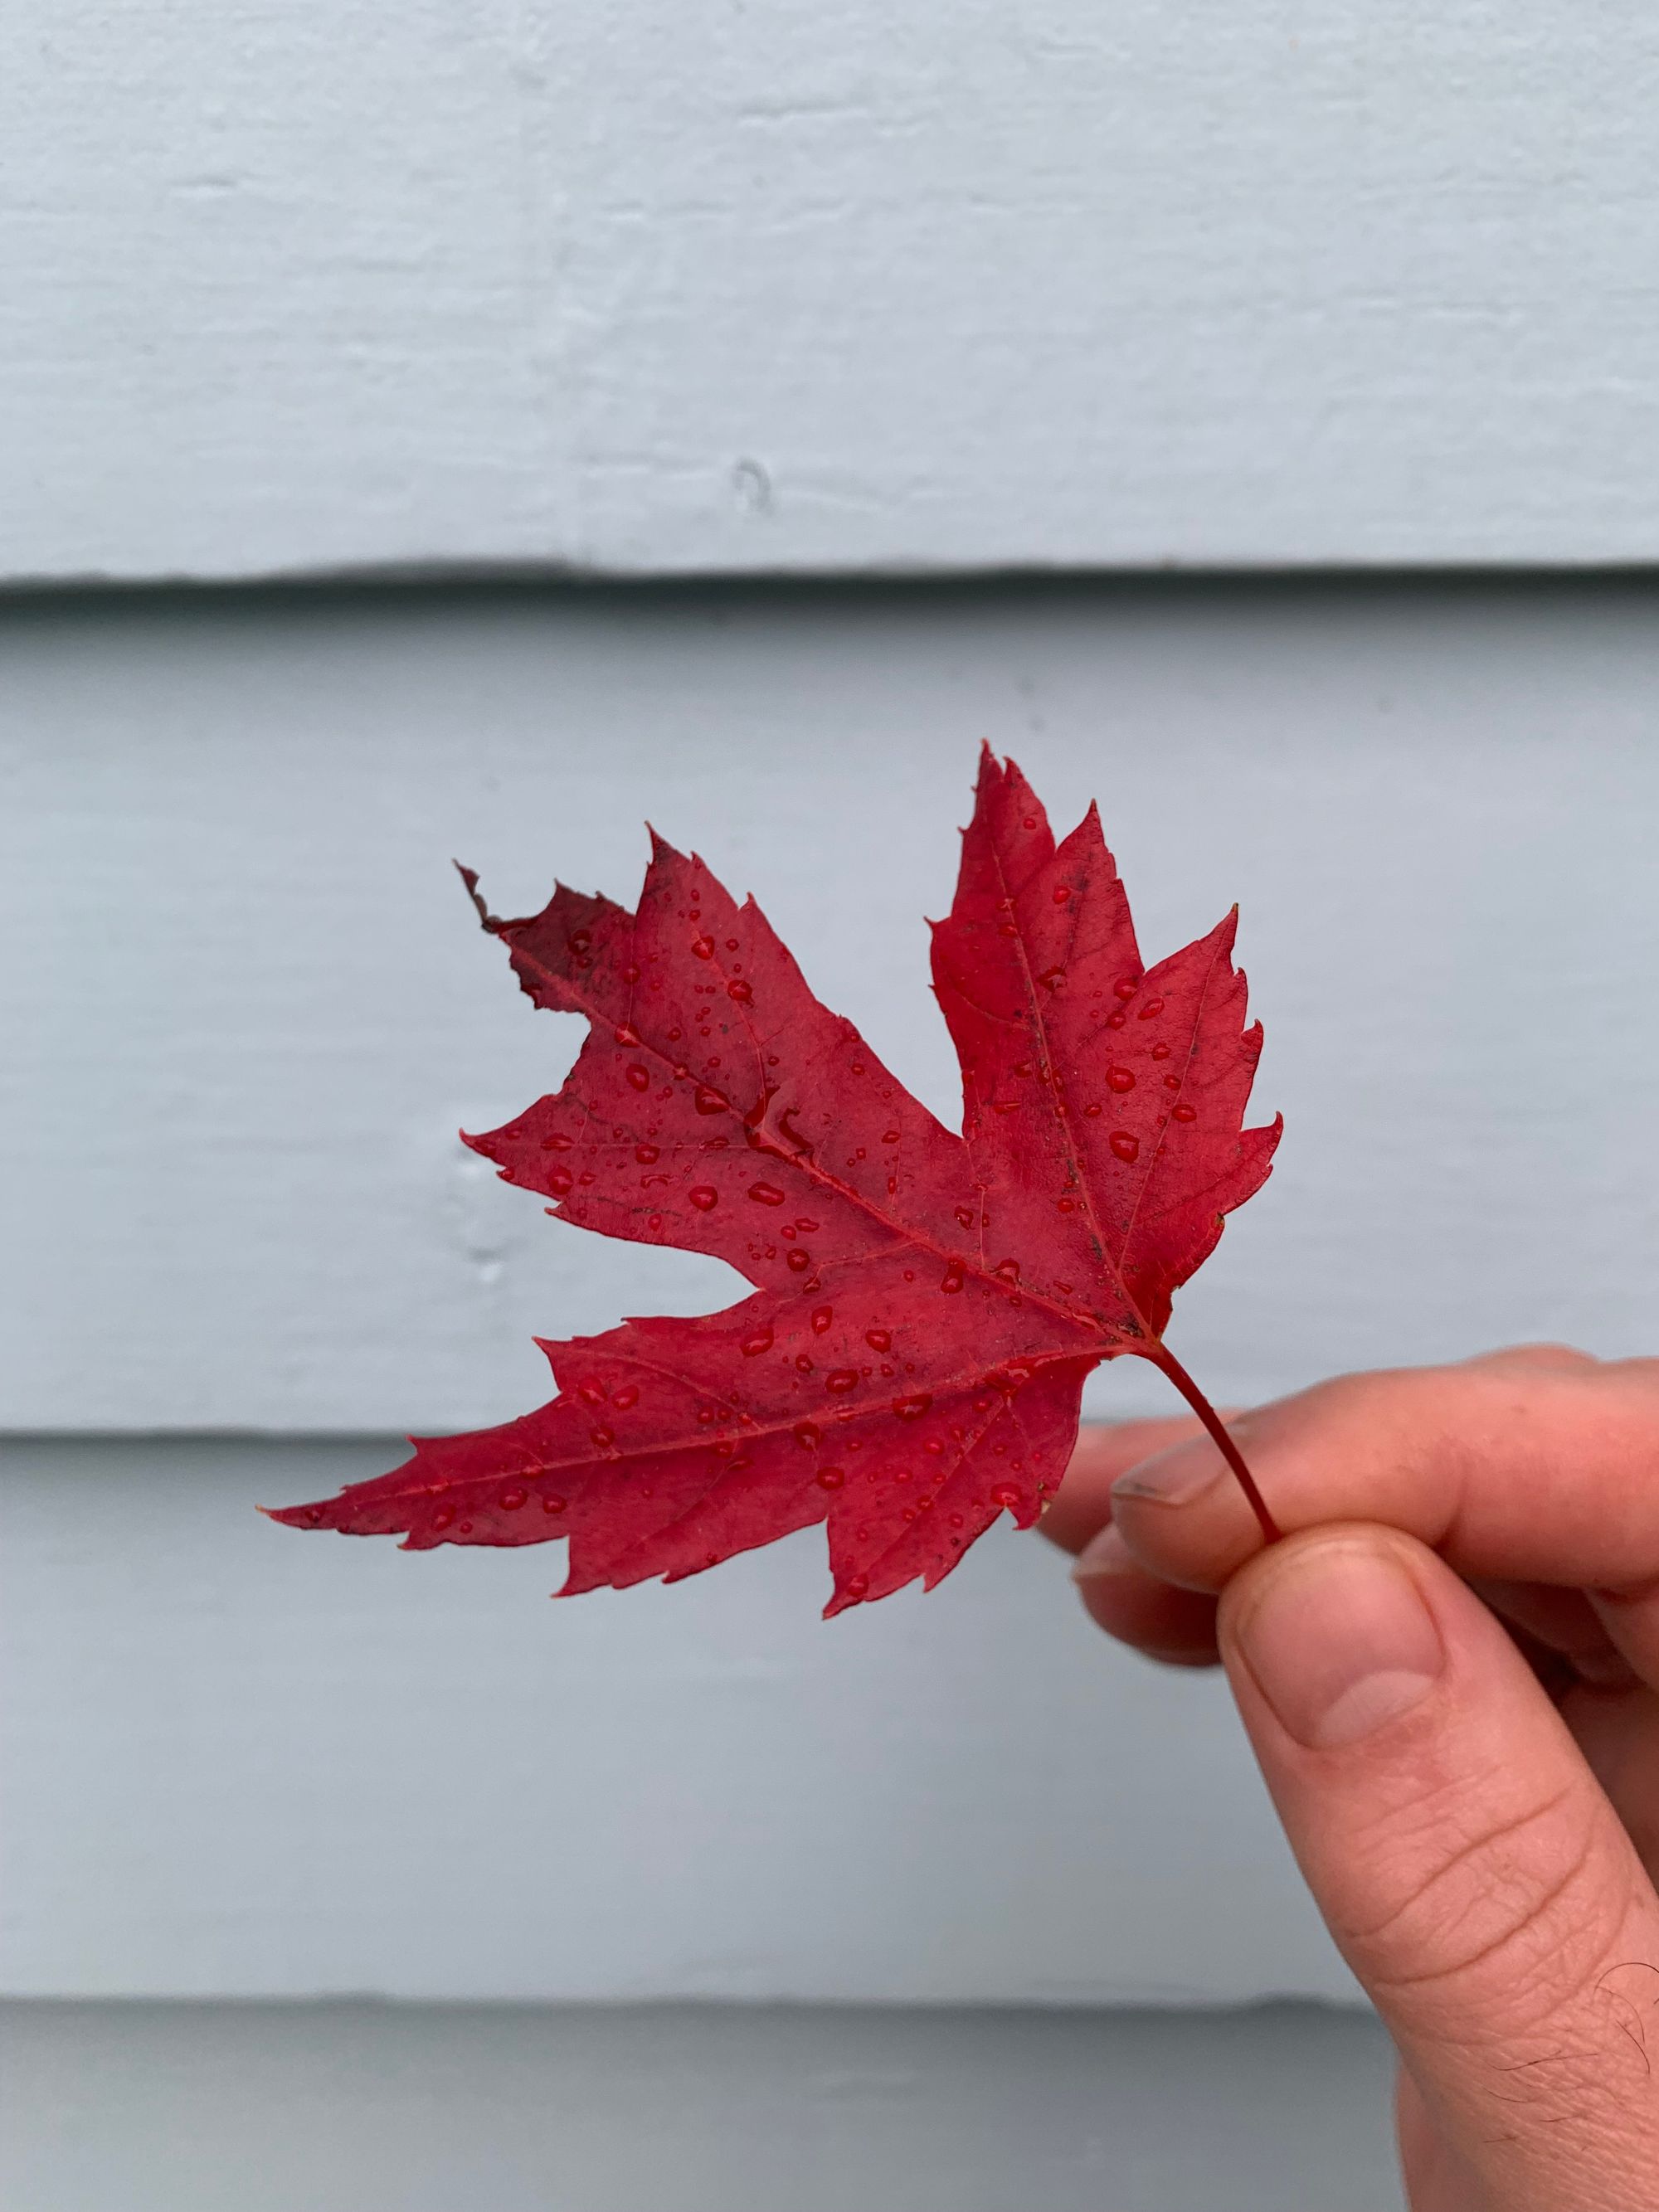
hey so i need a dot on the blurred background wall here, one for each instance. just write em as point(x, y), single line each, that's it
point(424, 436)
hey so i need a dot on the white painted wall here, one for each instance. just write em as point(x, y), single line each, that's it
point(246, 1011)
point(234, 1762)
point(681, 284)
point(307, 2108)
point(654, 289)
point(249, 1008)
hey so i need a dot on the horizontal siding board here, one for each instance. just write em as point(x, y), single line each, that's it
point(677, 286)
point(247, 1009)
point(259, 1765)
point(313, 2108)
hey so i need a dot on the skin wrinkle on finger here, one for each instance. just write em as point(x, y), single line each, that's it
point(1489, 1845)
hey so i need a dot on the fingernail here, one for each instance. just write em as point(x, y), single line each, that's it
point(1174, 1477)
point(1105, 1554)
point(1340, 1642)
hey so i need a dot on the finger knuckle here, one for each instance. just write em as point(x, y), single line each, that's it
point(1517, 1904)
point(1543, 1355)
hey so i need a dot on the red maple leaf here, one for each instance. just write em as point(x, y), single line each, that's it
point(926, 1305)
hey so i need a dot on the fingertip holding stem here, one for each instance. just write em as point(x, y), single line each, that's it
point(1337, 1636)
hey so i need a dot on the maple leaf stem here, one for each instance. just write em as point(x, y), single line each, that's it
point(1163, 1357)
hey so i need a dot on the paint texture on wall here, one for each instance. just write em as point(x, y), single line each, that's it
point(677, 285)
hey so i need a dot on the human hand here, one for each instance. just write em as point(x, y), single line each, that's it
point(1471, 1789)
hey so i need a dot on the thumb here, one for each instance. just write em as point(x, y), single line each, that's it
point(1473, 1874)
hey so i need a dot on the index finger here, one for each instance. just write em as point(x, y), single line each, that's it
point(1083, 1505)
point(1537, 1466)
